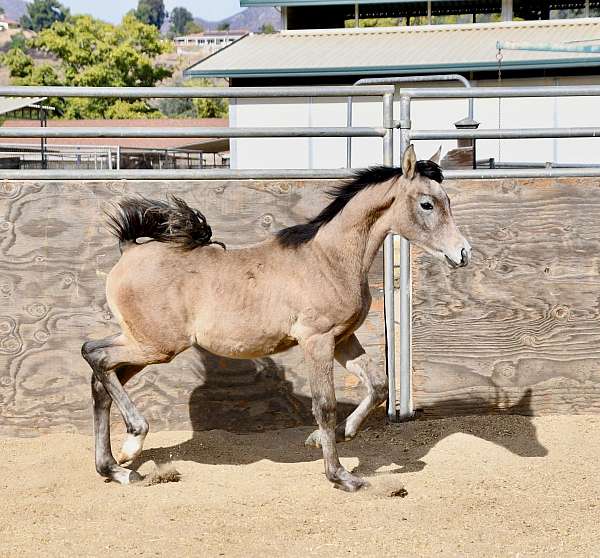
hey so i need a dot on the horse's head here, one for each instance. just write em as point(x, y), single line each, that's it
point(423, 214)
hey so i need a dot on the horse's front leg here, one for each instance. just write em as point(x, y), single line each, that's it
point(319, 350)
point(352, 356)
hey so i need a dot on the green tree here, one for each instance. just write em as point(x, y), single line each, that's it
point(267, 28)
point(41, 14)
point(151, 12)
point(180, 17)
point(225, 26)
point(18, 41)
point(193, 27)
point(208, 108)
point(98, 54)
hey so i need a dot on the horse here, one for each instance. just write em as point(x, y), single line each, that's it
point(307, 286)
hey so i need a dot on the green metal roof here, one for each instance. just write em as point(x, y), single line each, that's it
point(249, 3)
point(399, 50)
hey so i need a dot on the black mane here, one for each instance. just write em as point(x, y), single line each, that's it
point(296, 235)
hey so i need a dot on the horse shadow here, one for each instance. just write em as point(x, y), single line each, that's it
point(240, 400)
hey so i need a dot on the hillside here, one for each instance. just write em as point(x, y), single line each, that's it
point(13, 9)
point(251, 19)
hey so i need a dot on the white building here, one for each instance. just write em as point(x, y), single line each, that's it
point(344, 55)
point(210, 41)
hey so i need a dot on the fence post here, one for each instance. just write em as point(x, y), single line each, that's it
point(405, 410)
point(388, 263)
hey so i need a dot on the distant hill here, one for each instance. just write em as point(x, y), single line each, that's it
point(251, 19)
point(13, 9)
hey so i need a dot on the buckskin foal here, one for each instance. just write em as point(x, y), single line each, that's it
point(307, 286)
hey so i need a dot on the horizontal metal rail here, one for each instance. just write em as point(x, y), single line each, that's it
point(175, 174)
point(190, 132)
point(486, 174)
point(495, 92)
point(276, 174)
point(532, 165)
point(196, 92)
point(420, 79)
point(516, 133)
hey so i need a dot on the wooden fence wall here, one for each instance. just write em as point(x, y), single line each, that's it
point(54, 256)
point(517, 331)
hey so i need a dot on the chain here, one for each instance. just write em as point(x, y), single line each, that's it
point(499, 57)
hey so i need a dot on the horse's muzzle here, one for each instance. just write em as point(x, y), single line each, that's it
point(464, 260)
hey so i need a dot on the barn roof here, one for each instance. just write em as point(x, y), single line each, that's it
point(11, 104)
point(204, 144)
point(399, 50)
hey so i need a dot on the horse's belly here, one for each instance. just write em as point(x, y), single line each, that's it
point(243, 344)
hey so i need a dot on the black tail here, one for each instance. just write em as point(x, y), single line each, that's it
point(171, 221)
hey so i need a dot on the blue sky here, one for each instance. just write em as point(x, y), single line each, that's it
point(213, 10)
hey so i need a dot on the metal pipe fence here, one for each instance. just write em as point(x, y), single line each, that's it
point(196, 132)
point(405, 406)
point(400, 405)
point(386, 132)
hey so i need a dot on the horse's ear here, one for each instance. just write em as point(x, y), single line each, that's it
point(409, 163)
point(437, 156)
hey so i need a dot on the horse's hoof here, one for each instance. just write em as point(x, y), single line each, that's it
point(125, 476)
point(352, 486)
point(132, 448)
point(134, 477)
point(343, 480)
point(314, 440)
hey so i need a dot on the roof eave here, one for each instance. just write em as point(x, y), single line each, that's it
point(379, 70)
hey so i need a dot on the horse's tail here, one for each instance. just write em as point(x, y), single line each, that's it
point(171, 221)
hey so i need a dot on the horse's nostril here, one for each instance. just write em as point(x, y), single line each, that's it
point(464, 257)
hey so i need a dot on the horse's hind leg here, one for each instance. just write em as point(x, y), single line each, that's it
point(106, 465)
point(114, 360)
point(352, 356)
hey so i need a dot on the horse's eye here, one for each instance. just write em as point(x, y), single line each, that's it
point(427, 206)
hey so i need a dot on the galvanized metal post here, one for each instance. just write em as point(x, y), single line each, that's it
point(405, 408)
point(507, 10)
point(388, 263)
point(349, 139)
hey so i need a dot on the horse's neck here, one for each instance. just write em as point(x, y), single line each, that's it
point(355, 235)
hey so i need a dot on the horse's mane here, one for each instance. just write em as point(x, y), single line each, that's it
point(297, 235)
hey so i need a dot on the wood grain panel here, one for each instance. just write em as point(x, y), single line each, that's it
point(54, 257)
point(519, 329)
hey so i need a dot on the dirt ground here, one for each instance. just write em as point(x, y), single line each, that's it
point(476, 486)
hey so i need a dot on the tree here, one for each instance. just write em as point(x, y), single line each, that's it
point(180, 17)
point(151, 12)
point(193, 27)
point(41, 14)
point(208, 108)
point(97, 54)
point(18, 41)
point(267, 28)
point(194, 108)
point(225, 26)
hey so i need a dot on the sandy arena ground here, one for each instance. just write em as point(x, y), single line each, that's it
point(477, 486)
